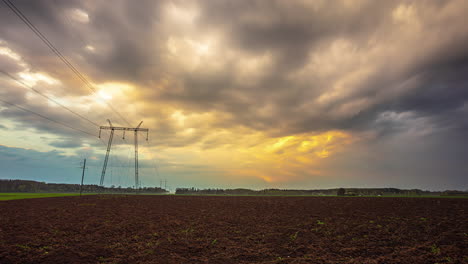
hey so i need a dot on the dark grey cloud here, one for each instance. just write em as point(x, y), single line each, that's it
point(287, 34)
point(407, 158)
point(131, 42)
point(67, 143)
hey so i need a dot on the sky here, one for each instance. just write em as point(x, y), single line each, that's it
point(252, 94)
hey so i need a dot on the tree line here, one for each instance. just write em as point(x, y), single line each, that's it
point(334, 191)
point(34, 186)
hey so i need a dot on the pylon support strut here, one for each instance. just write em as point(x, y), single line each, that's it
point(106, 159)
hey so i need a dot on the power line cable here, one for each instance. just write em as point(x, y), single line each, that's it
point(52, 100)
point(71, 26)
point(64, 60)
point(128, 163)
point(48, 98)
point(155, 166)
point(45, 117)
point(57, 52)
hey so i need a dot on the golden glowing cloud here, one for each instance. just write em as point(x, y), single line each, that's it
point(9, 53)
point(271, 160)
point(33, 78)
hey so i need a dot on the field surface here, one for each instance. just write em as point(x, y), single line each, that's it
point(214, 229)
point(16, 196)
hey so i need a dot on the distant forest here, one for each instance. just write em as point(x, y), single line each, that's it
point(336, 191)
point(34, 186)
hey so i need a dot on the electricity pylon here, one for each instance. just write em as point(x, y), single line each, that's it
point(109, 144)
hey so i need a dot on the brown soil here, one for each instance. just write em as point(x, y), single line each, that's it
point(196, 229)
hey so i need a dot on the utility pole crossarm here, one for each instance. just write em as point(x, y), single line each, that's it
point(125, 128)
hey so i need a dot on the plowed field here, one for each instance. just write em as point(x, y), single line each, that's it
point(214, 229)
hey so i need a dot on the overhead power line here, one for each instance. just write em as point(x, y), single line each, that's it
point(80, 76)
point(57, 52)
point(48, 98)
point(48, 118)
point(155, 166)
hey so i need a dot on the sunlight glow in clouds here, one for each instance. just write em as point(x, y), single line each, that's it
point(181, 15)
point(33, 78)
point(275, 159)
point(90, 48)
point(8, 52)
point(79, 15)
point(108, 91)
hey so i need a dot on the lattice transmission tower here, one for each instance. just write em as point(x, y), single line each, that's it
point(109, 144)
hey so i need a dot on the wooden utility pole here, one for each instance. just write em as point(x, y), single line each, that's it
point(82, 176)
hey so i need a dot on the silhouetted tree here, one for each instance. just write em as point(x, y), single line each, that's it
point(341, 192)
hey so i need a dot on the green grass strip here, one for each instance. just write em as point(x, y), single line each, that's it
point(16, 196)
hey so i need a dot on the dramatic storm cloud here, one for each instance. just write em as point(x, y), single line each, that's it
point(290, 94)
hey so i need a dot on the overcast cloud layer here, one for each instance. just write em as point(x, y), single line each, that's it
point(248, 93)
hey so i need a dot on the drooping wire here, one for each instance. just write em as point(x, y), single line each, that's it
point(58, 53)
point(80, 76)
point(129, 160)
point(48, 98)
point(45, 117)
point(155, 165)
